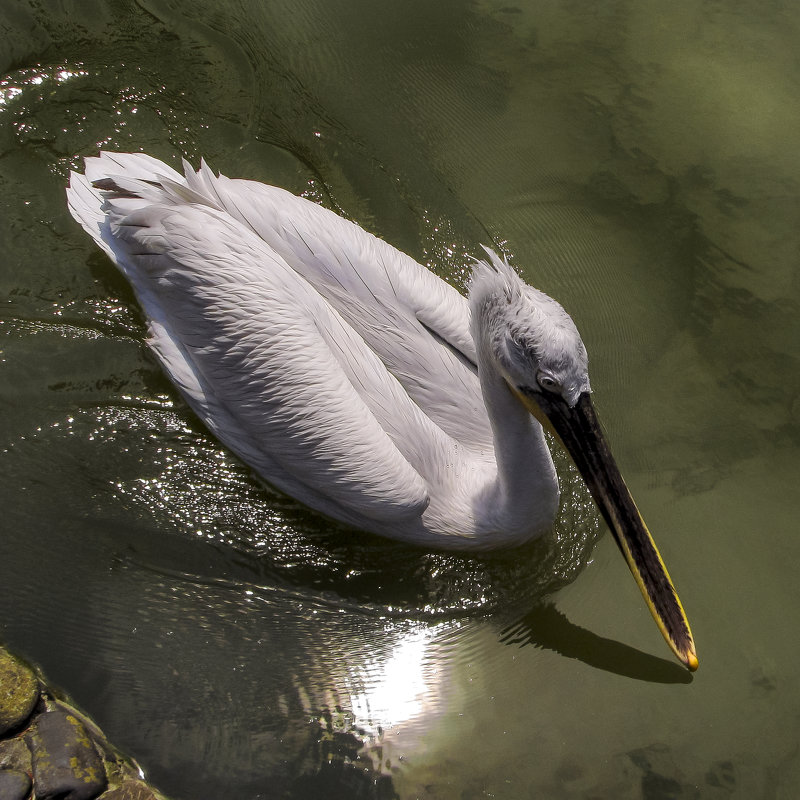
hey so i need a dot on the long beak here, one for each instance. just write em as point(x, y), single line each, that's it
point(579, 430)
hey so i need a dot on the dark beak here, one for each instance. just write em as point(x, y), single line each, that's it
point(579, 430)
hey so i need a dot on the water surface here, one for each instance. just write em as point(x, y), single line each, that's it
point(638, 162)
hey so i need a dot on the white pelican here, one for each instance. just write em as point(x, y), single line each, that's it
point(355, 380)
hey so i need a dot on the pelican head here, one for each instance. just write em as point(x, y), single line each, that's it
point(534, 341)
point(539, 353)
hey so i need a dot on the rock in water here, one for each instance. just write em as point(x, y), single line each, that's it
point(19, 691)
point(65, 763)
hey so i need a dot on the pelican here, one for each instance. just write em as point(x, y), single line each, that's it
point(352, 378)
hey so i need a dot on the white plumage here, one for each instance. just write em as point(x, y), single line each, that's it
point(346, 374)
point(341, 370)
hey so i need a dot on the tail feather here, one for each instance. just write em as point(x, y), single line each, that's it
point(117, 184)
point(129, 165)
point(204, 184)
point(85, 205)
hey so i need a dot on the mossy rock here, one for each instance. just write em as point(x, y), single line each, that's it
point(19, 692)
point(14, 754)
point(14, 785)
point(64, 759)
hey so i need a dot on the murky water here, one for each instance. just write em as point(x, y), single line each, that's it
point(639, 162)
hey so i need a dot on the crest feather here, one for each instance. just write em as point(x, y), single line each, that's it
point(493, 276)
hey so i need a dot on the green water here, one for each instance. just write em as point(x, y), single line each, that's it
point(638, 161)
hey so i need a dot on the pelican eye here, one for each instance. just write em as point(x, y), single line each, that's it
point(547, 382)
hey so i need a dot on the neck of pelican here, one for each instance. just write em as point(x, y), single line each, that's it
point(526, 490)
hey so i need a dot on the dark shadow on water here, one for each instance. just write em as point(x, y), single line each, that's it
point(548, 628)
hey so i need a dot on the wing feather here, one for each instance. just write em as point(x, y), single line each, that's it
point(248, 343)
point(415, 322)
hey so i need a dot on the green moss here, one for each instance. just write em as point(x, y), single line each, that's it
point(131, 790)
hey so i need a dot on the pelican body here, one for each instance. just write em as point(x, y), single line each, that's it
point(350, 377)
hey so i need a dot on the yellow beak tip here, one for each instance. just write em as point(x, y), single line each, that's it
point(691, 662)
